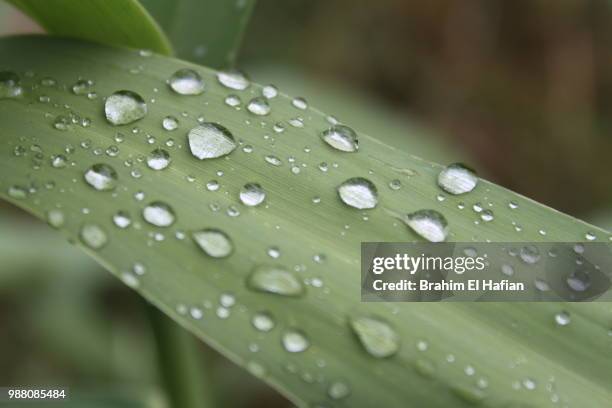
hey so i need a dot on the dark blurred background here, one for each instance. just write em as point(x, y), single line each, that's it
point(521, 90)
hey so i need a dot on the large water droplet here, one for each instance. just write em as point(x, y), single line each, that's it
point(295, 341)
point(341, 137)
point(275, 279)
point(9, 85)
point(186, 82)
point(159, 214)
point(429, 224)
point(101, 176)
point(213, 242)
point(259, 106)
point(457, 179)
point(210, 140)
point(124, 107)
point(359, 193)
point(158, 159)
point(233, 80)
point(93, 236)
point(377, 337)
point(252, 194)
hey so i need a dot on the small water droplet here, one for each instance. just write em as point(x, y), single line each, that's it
point(259, 106)
point(55, 218)
point(562, 318)
point(159, 214)
point(579, 280)
point(170, 123)
point(158, 159)
point(83, 87)
point(252, 194)
point(210, 140)
point(457, 178)
point(101, 176)
point(213, 242)
point(186, 82)
point(275, 279)
point(359, 193)
point(377, 336)
point(93, 236)
point(263, 321)
point(295, 341)
point(233, 100)
point(233, 80)
point(59, 161)
point(122, 219)
point(124, 107)
point(299, 103)
point(338, 390)
point(395, 184)
point(487, 215)
point(10, 85)
point(341, 137)
point(529, 254)
point(270, 91)
point(429, 224)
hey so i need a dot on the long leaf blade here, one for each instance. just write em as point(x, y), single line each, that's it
point(505, 344)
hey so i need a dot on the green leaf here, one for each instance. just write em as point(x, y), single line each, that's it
point(509, 346)
point(208, 32)
point(114, 22)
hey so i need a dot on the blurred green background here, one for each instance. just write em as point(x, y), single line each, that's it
point(521, 90)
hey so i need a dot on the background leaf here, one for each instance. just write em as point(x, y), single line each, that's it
point(207, 32)
point(505, 344)
point(114, 22)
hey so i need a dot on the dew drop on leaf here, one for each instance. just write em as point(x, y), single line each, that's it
point(579, 280)
point(457, 178)
point(429, 224)
point(159, 214)
point(186, 82)
point(562, 318)
point(210, 140)
point(124, 107)
point(233, 100)
point(359, 193)
point(233, 80)
point(93, 236)
point(59, 161)
point(252, 194)
point(213, 242)
point(122, 219)
point(338, 390)
point(341, 138)
point(299, 103)
point(101, 176)
point(83, 87)
point(263, 321)
point(10, 85)
point(170, 123)
point(56, 218)
point(259, 106)
point(274, 279)
point(269, 91)
point(295, 341)
point(158, 159)
point(529, 254)
point(377, 337)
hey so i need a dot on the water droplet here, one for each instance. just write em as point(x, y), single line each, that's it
point(273, 160)
point(55, 218)
point(590, 236)
point(158, 159)
point(299, 103)
point(17, 192)
point(233, 80)
point(359, 193)
point(295, 341)
point(263, 321)
point(529, 254)
point(101, 176)
point(59, 161)
point(487, 215)
point(579, 280)
point(252, 194)
point(425, 367)
point(429, 224)
point(62, 122)
point(10, 85)
point(93, 236)
point(124, 107)
point(159, 214)
point(210, 140)
point(213, 242)
point(563, 318)
point(170, 123)
point(233, 100)
point(395, 184)
point(457, 178)
point(377, 337)
point(259, 106)
point(122, 219)
point(341, 137)
point(83, 87)
point(529, 384)
point(275, 279)
point(186, 82)
point(338, 390)
point(270, 91)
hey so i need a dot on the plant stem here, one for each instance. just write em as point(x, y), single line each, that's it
point(187, 382)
